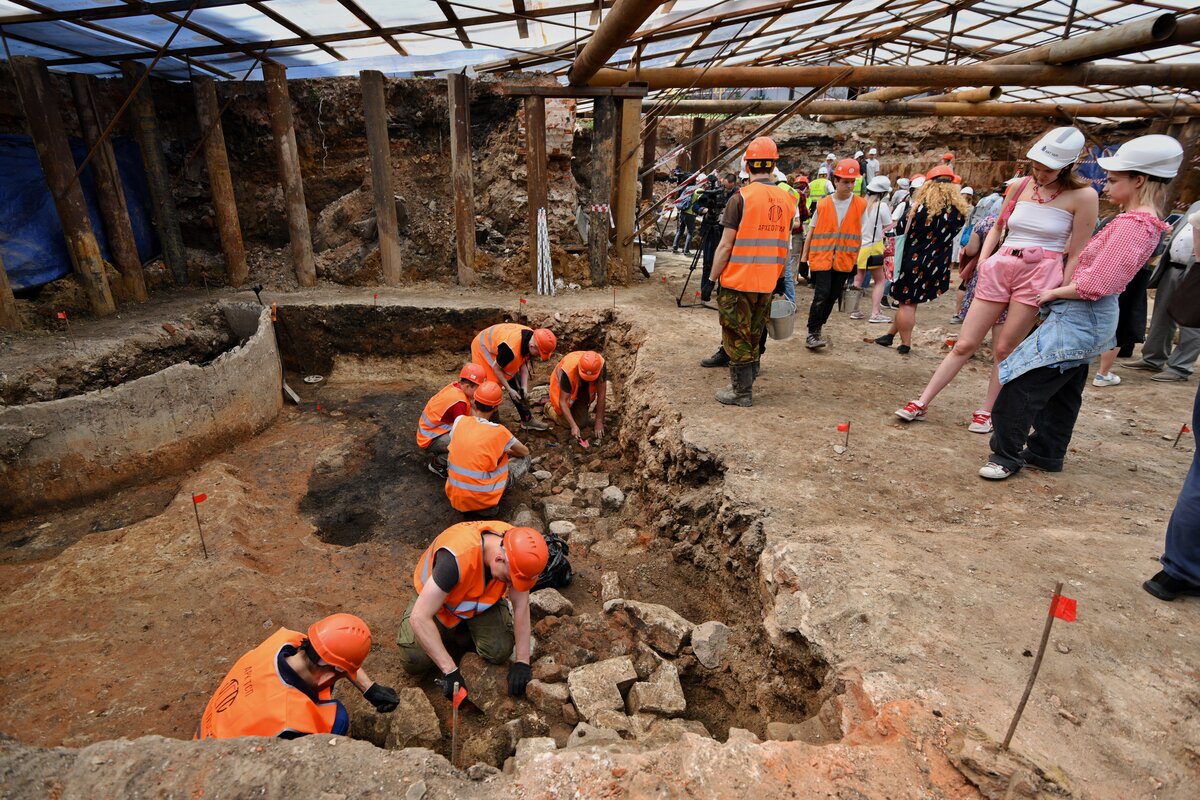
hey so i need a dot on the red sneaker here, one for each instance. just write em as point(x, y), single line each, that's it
point(913, 411)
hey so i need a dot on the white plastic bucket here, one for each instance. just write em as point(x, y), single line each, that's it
point(782, 321)
point(648, 264)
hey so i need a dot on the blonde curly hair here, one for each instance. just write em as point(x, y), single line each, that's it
point(937, 197)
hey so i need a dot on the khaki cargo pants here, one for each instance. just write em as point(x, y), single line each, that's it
point(489, 634)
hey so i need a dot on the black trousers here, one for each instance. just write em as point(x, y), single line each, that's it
point(708, 243)
point(827, 287)
point(1047, 400)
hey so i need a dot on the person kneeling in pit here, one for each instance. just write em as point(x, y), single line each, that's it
point(283, 687)
point(459, 586)
point(578, 381)
point(505, 351)
point(478, 469)
point(439, 414)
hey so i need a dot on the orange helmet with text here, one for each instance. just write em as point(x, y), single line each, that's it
point(545, 341)
point(590, 365)
point(473, 373)
point(342, 641)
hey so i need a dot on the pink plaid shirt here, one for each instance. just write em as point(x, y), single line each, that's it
point(1114, 255)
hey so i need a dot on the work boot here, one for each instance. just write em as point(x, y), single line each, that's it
point(741, 378)
point(815, 340)
point(717, 359)
point(854, 312)
point(756, 366)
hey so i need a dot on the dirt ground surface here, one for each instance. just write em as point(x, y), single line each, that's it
point(913, 591)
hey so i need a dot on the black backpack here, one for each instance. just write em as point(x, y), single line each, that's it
point(558, 569)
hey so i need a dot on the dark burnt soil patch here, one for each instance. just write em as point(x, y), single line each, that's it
point(199, 339)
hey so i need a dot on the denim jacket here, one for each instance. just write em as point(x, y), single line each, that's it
point(1073, 332)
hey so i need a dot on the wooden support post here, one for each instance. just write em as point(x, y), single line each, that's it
point(649, 156)
point(119, 230)
point(9, 321)
point(208, 114)
point(603, 127)
point(535, 171)
point(714, 148)
point(380, 151)
point(279, 107)
point(625, 207)
point(42, 114)
point(696, 152)
point(458, 101)
point(145, 129)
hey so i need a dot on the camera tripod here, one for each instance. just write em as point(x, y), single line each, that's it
point(706, 231)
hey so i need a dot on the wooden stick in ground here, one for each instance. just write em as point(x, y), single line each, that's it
point(196, 508)
point(1037, 663)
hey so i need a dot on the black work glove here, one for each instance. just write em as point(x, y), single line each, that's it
point(804, 266)
point(448, 682)
point(384, 698)
point(779, 286)
point(518, 677)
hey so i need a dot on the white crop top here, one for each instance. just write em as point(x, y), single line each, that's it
point(1036, 225)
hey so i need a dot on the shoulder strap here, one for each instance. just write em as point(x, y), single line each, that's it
point(1002, 223)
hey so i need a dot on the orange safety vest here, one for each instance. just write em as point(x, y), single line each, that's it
point(761, 248)
point(487, 343)
point(477, 466)
point(253, 700)
point(832, 246)
point(569, 366)
point(470, 596)
point(430, 426)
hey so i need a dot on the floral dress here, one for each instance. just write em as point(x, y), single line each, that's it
point(925, 267)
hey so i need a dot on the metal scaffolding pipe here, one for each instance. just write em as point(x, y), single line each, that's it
point(1184, 76)
point(981, 95)
point(1142, 34)
point(921, 108)
point(613, 33)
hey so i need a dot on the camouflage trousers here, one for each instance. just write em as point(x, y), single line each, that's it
point(743, 317)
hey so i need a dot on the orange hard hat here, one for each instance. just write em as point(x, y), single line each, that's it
point(473, 373)
point(847, 168)
point(947, 156)
point(801, 179)
point(762, 149)
point(958, 178)
point(341, 640)
point(545, 341)
point(526, 552)
point(943, 172)
point(489, 394)
point(590, 364)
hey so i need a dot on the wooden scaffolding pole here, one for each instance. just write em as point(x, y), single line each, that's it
point(696, 151)
point(42, 114)
point(380, 150)
point(921, 108)
point(279, 108)
point(535, 172)
point(649, 156)
point(458, 101)
point(208, 114)
point(144, 121)
point(612, 34)
point(603, 127)
point(109, 191)
point(625, 207)
point(9, 320)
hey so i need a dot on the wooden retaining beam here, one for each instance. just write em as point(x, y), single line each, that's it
point(208, 114)
point(604, 114)
point(648, 159)
point(279, 108)
point(42, 114)
point(144, 121)
point(697, 151)
point(9, 319)
point(535, 172)
point(380, 151)
point(458, 101)
point(109, 192)
point(625, 205)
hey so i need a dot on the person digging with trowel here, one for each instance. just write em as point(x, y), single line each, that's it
point(576, 382)
point(504, 350)
point(437, 418)
point(459, 586)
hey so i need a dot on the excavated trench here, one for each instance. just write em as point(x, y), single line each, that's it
point(676, 541)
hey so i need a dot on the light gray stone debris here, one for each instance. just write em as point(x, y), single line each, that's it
point(612, 498)
point(542, 475)
point(610, 586)
point(663, 629)
point(585, 735)
point(526, 518)
point(592, 480)
point(711, 643)
point(413, 723)
point(662, 694)
point(547, 697)
point(563, 528)
point(527, 748)
point(596, 687)
point(549, 603)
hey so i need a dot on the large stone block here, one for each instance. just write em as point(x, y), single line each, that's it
point(547, 697)
point(414, 722)
point(549, 603)
point(662, 694)
point(597, 687)
point(710, 643)
point(662, 628)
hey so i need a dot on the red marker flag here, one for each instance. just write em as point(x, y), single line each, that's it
point(199, 498)
point(1063, 607)
point(1185, 429)
point(843, 427)
point(460, 696)
point(63, 315)
point(523, 300)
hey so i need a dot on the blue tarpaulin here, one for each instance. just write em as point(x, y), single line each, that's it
point(31, 236)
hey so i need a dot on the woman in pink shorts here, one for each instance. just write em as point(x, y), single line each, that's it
point(1046, 220)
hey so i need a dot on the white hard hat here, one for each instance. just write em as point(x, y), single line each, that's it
point(902, 183)
point(872, 152)
point(968, 190)
point(858, 154)
point(1058, 148)
point(822, 171)
point(830, 157)
point(1156, 155)
point(743, 175)
point(918, 182)
point(879, 183)
point(778, 176)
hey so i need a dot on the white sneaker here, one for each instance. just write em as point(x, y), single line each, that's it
point(913, 411)
point(857, 315)
point(994, 472)
point(981, 422)
point(1106, 380)
point(878, 318)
